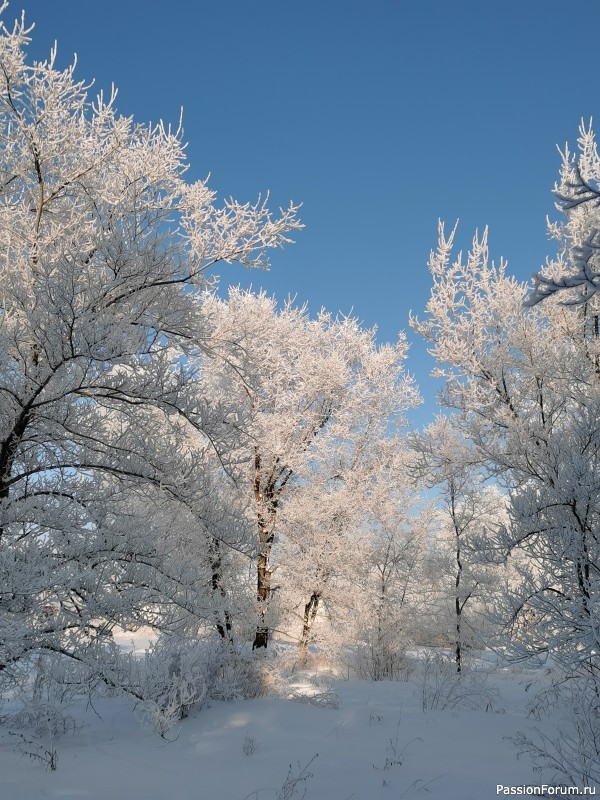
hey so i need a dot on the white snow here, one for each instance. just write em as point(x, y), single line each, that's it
point(377, 744)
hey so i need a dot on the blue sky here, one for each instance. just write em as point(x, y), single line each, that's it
point(380, 117)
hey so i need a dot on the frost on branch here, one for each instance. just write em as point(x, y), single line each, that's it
point(111, 464)
point(523, 379)
point(320, 400)
point(575, 272)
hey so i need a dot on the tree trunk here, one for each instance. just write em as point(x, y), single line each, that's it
point(266, 510)
point(310, 612)
point(459, 568)
point(457, 652)
point(263, 595)
point(8, 449)
point(223, 623)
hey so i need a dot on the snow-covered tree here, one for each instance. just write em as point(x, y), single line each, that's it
point(345, 542)
point(468, 513)
point(104, 247)
point(557, 516)
point(523, 377)
point(524, 384)
point(575, 273)
point(391, 598)
point(317, 549)
point(315, 397)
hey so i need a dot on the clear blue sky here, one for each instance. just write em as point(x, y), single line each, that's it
point(380, 117)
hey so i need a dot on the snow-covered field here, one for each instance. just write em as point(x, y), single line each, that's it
point(364, 741)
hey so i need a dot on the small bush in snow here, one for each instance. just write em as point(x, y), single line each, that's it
point(381, 660)
point(249, 746)
point(574, 754)
point(442, 687)
point(172, 680)
point(178, 674)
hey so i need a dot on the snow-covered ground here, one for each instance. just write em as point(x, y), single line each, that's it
point(364, 741)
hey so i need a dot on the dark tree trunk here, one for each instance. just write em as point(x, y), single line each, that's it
point(223, 623)
point(457, 652)
point(459, 568)
point(266, 494)
point(8, 450)
point(310, 612)
point(264, 588)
